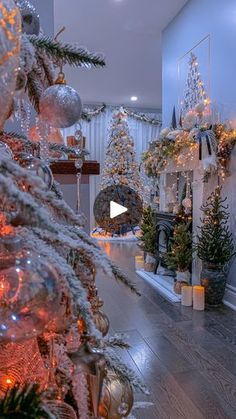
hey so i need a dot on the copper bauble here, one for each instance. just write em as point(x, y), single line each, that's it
point(54, 135)
point(117, 399)
point(101, 322)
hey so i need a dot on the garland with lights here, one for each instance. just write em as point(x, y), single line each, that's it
point(88, 115)
point(213, 143)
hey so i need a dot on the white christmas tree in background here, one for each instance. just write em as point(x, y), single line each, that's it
point(120, 166)
point(194, 92)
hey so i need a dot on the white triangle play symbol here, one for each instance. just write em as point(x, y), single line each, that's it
point(116, 209)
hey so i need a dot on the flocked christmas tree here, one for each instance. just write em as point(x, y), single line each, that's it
point(55, 361)
point(120, 166)
point(194, 92)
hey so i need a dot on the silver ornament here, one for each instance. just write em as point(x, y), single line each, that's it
point(10, 24)
point(60, 106)
point(30, 18)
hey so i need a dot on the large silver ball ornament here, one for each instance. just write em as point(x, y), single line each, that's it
point(60, 106)
point(30, 18)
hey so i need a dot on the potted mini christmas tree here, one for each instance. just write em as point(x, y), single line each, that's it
point(179, 257)
point(215, 247)
point(147, 239)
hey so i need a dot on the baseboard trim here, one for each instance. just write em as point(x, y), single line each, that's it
point(230, 297)
point(163, 284)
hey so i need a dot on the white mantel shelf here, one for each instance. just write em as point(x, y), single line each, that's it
point(163, 284)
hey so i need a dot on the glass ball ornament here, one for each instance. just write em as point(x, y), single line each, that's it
point(117, 398)
point(187, 203)
point(29, 292)
point(38, 168)
point(60, 106)
point(30, 17)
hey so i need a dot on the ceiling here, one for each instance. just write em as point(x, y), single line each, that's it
point(128, 33)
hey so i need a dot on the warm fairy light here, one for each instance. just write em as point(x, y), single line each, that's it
point(5, 230)
point(81, 326)
point(7, 382)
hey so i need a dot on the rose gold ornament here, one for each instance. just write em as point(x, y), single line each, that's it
point(117, 398)
point(54, 135)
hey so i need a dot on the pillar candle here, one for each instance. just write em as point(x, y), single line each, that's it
point(139, 262)
point(187, 296)
point(198, 298)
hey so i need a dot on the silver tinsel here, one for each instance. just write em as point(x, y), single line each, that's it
point(60, 106)
point(30, 18)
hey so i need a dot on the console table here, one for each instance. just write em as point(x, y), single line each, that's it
point(65, 173)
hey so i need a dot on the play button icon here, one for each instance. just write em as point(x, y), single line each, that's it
point(117, 209)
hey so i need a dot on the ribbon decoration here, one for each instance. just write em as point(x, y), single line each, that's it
point(207, 138)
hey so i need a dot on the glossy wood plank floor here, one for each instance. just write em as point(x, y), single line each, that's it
point(186, 358)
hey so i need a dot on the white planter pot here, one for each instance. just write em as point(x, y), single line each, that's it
point(150, 263)
point(183, 276)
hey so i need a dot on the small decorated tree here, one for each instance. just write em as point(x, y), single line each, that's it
point(215, 247)
point(180, 255)
point(147, 240)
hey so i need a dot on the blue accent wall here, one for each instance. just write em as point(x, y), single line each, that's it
point(195, 21)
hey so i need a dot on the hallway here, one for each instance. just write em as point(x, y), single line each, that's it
point(186, 358)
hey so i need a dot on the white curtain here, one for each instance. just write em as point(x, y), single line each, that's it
point(96, 133)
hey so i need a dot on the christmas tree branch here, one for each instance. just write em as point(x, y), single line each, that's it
point(23, 403)
point(65, 53)
point(34, 89)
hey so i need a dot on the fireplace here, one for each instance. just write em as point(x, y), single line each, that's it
point(164, 229)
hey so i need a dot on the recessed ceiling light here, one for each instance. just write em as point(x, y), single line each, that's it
point(134, 98)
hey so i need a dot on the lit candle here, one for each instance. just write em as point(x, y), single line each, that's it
point(198, 298)
point(139, 262)
point(187, 296)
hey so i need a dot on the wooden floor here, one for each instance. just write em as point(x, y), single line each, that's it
point(187, 358)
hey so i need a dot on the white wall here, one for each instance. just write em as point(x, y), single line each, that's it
point(198, 19)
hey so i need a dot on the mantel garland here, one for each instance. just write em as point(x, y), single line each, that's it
point(213, 142)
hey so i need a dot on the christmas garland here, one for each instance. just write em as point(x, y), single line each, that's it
point(214, 144)
point(88, 115)
point(141, 117)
